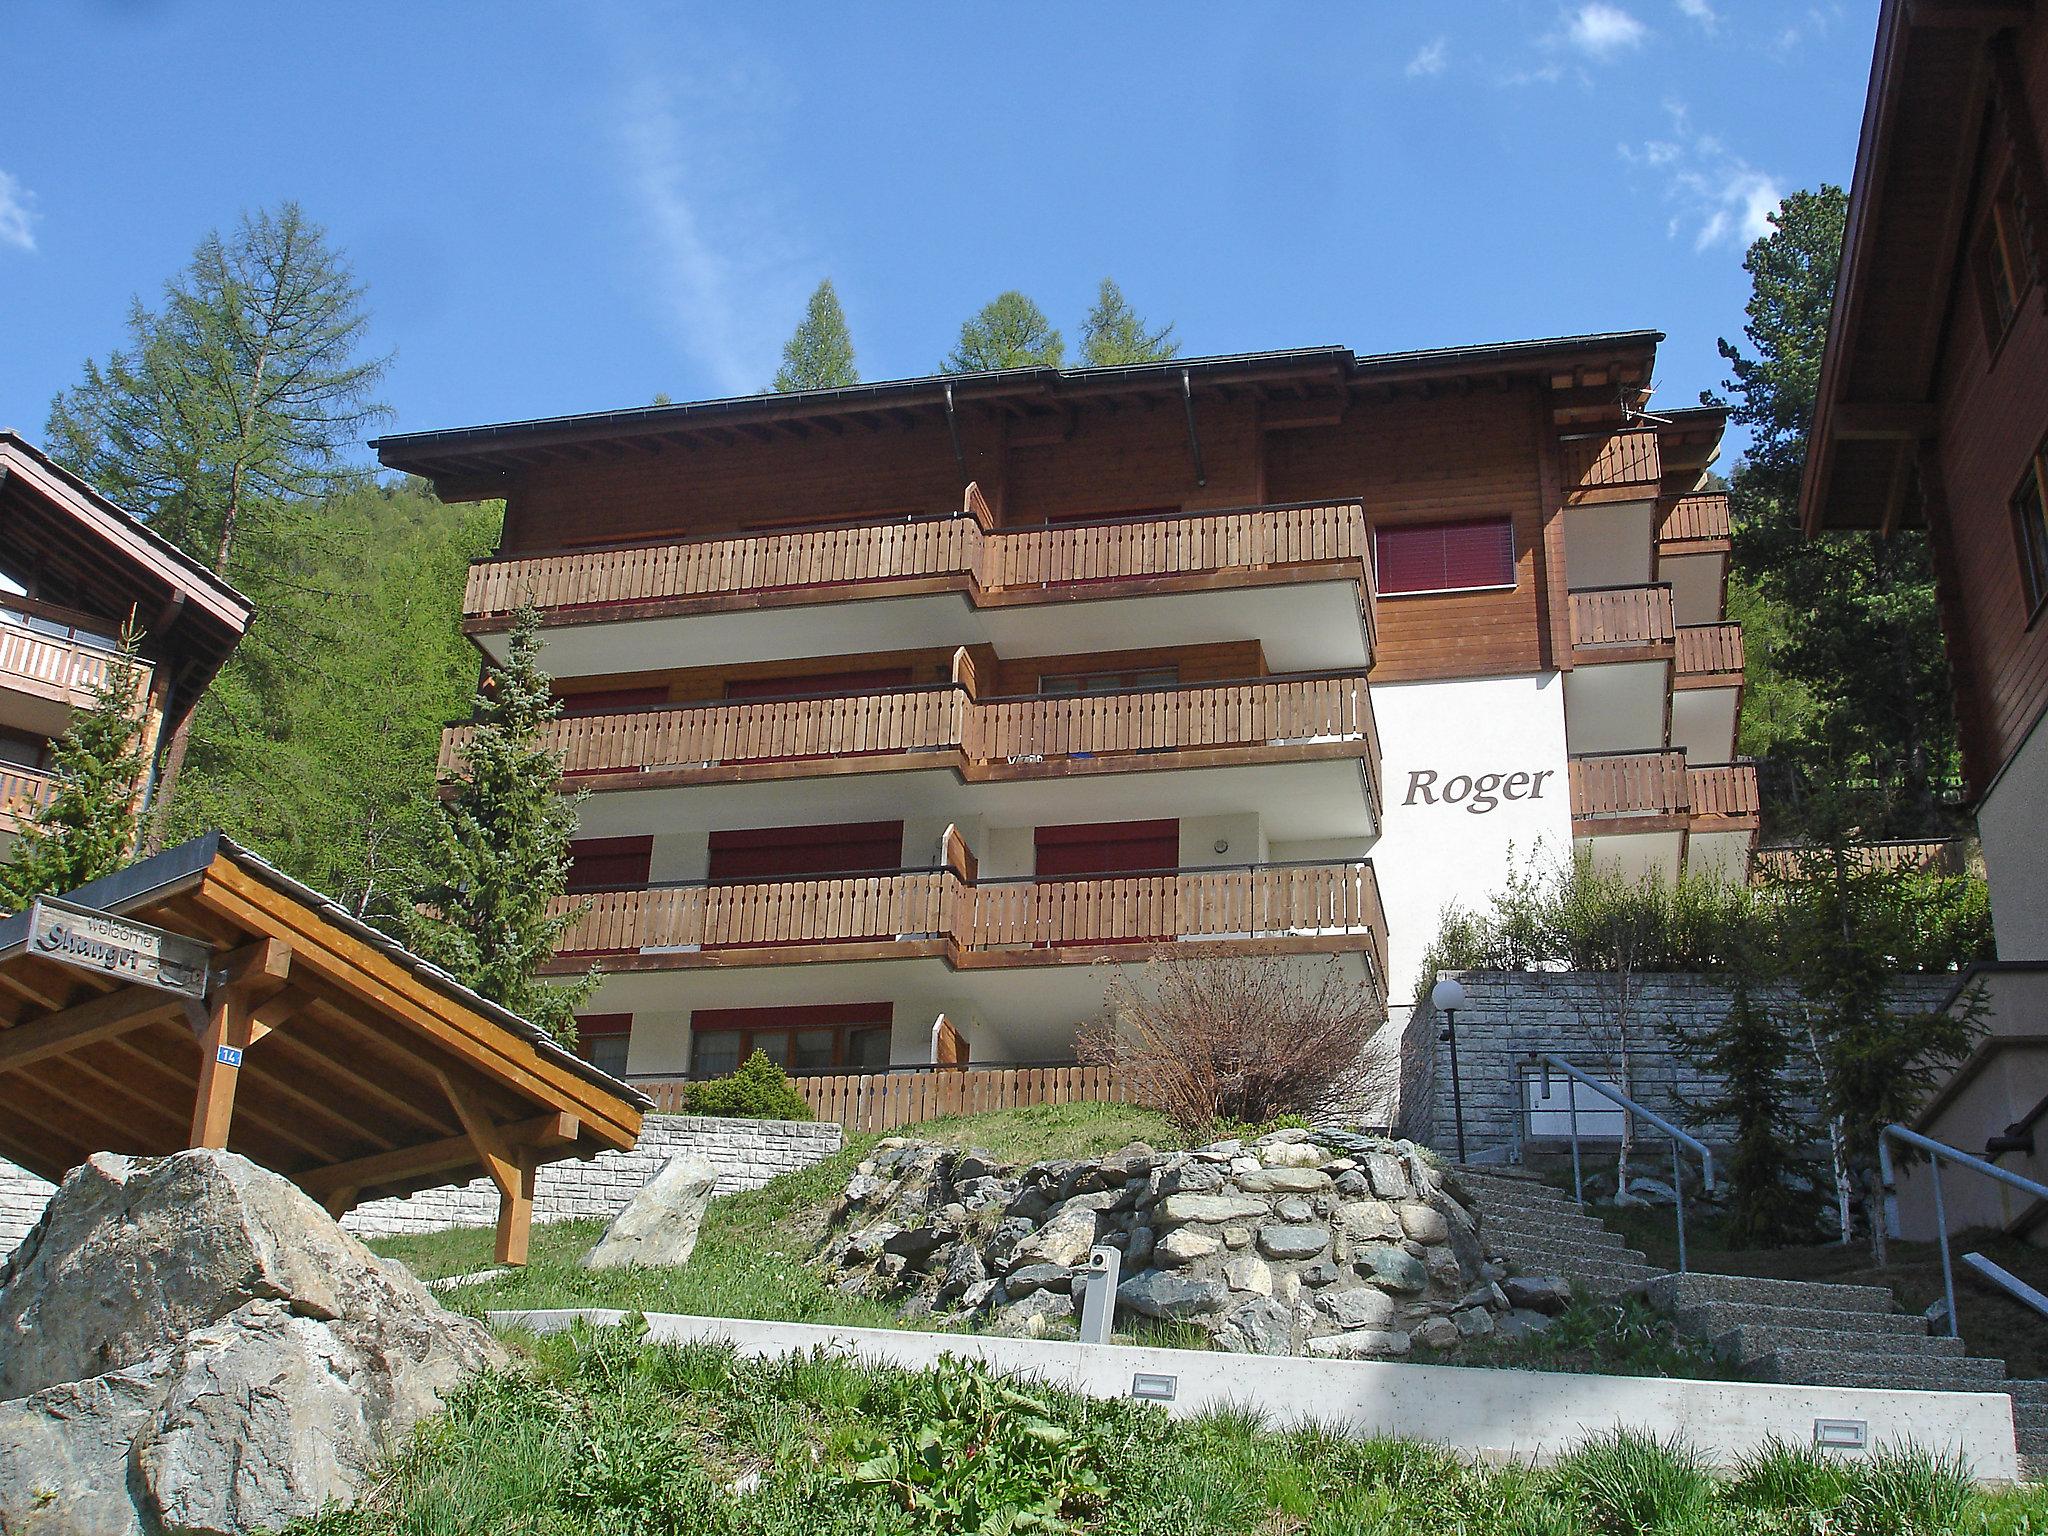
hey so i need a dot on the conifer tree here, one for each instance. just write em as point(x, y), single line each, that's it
point(1113, 333)
point(1007, 332)
point(1749, 1053)
point(87, 829)
point(499, 850)
point(820, 354)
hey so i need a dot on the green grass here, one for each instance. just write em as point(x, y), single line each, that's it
point(597, 1431)
point(1609, 1338)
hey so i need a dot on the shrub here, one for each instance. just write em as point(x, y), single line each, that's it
point(759, 1090)
point(1247, 1039)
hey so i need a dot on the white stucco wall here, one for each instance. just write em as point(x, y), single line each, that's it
point(1439, 741)
point(2015, 859)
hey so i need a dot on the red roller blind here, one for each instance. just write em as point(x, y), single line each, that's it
point(1106, 848)
point(1446, 557)
point(807, 853)
point(609, 863)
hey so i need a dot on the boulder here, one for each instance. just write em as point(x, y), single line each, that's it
point(1292, 1242)
point(1211, 1209)
point(1363, 1307)
point(1388, 1175)
point(658, 1227)
point(1362, 1344)
point(1157, 1293)
point(1437, 1333)
point(1519, 1326)
point(1184, 1245)
point(1248, 1272)
point(1548, 1294)
point(1284, 1181)
point(1396, 1270)
point(1038, 1277)
point(190, 1343)
point(1259, 1326)
point(1423, 1224)
point(1066, 1238)
point(1474, 1322)
point(1293, 1154)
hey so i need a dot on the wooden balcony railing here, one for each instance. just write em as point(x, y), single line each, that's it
point(994, 922)
point(1707, 651)
point(985, 737)
point(965, 551)
point(60, 667)
point(1611, 467)
point(1635, 784)
point(1622, 619)
point(1726, 791)
point(1701, 519)
point(1948, 857)
point(884, 1100)
point(23, 791)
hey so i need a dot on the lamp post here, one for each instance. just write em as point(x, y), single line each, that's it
point(1447, 997)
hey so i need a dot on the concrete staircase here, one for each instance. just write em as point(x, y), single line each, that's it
point(1540, 1230)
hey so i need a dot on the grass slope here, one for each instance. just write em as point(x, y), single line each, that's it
point(599, 1432)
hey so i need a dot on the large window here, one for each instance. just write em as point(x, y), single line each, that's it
point(852, 1037)
point(1445, 557)
point(2030, 530)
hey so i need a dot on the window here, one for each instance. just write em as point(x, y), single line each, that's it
point(1107, 682)
point(796, 685)
point(2004, 268)
point(609, 863)
point(602, 1040)
point(2030, 530)
point(1106, 848)
point(806, 853)
point(1445, 557)
point(602, 701)
point(823, 1037)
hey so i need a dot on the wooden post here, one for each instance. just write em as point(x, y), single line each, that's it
point(515, 1208)
point(221, 1045)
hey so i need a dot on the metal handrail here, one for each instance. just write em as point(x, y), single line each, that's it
point(1936, 1151)
point(1629, 1106)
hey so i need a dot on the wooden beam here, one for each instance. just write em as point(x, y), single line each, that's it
point(492, 1150)
point(220, 1068)
point(1883, 420)
point(102, 1018)
point(515, 1210)
point(444, 1156)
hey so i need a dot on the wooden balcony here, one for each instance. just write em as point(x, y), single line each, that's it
point(1723, 797)
point(1695, 525)
point(1709, 656)
point(1266, 908)
point(1622, 624)
point(54, 665)
point(1617, 466)
point(1629, 792)
point(984, 740)
point(23, 791)
point(965, 552)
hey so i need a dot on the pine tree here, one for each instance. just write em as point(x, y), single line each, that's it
point(87, 829)
point(1113, 334)
point(1748, 1054)
point(820, 354)
point(1008, 332)
point(500, 850)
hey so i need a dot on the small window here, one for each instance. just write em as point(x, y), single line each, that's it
point(1445, 557)
point(604, 1039)
point(2030, 530)
point(2004, 269)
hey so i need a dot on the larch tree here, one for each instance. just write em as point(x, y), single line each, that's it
point(1007, 332)
point(87, 827)
point(1114, 334)
point(820, 353)
point(499, 850)
point(1854, 630)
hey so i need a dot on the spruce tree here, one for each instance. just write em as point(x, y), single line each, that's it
point(499, 850)
point(1749, 1053)
point(1008, 332)
point(820, 354)
point(87, 828)
point(1114, 335)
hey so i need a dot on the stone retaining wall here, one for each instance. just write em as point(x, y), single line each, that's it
point(745, 1153)
point(1512, 1016)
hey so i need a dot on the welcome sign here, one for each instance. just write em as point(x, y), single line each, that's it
point(113, 946)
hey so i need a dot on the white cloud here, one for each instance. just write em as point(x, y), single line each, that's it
point(1719, 197)
point(717, 254)
point(1603, 31)
point(1430, 59)
point(17, 214)
point(1700, 11)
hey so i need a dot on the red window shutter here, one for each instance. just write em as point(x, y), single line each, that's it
point(1106, 848)
point(817, 682)
point(806, 853)
point(1445, 557)
point(609, 863)
point(600, 700)
point(1479, 554)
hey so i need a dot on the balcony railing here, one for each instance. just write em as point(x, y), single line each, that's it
point(1311, 906)
point(23, 792)
point(1611, 467)
point(984, 738)
point(1629, 785)
point(54, 664)
point(964, 551)
point(1725, 791)
point(889, 1097)
point(1701, 519)
point(1621, 619)
point(1709, 651)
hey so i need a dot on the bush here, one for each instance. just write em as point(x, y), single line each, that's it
point(759, 1090)
point(1244, 1039)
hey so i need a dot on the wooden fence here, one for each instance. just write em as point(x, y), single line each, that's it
point(882, 1101)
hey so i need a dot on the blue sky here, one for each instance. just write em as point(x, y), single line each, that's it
point(569, 207)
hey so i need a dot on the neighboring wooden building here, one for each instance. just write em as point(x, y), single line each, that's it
point(315, 1045)
point(1934, 411)
point(904, 705)
point(74, 571)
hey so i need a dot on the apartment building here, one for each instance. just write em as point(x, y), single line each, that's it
point(1933, 412)
point(74, 570)
point(909, 710)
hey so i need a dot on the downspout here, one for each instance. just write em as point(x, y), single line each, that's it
point(953, 431)
point(1187, 402)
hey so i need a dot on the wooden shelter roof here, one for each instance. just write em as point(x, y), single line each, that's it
point(323, 1050)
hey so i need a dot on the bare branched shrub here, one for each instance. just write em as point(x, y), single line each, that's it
point(1203, 1038)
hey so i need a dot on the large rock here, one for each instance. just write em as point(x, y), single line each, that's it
point(1156, 1293)
point(658, 1228)
point(191, 1344)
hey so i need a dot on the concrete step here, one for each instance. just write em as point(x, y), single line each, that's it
point(2030, 1416)
point(1673, 1292)
point(1592, 1234)
point(1566, 1250)
point(2024, 1390)
point(1755, 1341)
point(1858, 1368)
point(1714, 1318)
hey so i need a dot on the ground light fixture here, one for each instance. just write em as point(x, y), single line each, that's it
point(1447, 997)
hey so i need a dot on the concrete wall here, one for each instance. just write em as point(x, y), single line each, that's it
point(746, 1153)
point(1511, 1016)
point(2009, 826)
point(1534, 1415)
